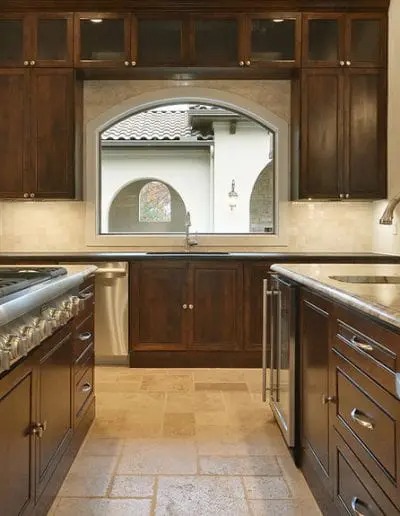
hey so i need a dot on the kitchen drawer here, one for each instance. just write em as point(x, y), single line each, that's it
point(372, 347)
point(84, 362)
point(368, 418)
point(354, 488)
point(83, 391)
point(83, 336)
point(87, 294)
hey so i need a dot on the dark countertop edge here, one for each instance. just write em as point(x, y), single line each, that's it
point(380, 313)
point(132, 256)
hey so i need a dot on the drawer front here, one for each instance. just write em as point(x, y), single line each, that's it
point(355, 492)
point(372, 347)
point(83, 336)
point(368, 418)
point(88, 306)
point(83, 390)
point(84, 362)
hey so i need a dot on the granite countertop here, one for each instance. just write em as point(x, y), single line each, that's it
point(381, 300)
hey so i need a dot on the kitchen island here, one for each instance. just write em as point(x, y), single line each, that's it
point(348, 402)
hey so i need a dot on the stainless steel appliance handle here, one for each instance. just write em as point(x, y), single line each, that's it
point(272, 343)
point(110, 270)
point(278, 342)
point(266, 295)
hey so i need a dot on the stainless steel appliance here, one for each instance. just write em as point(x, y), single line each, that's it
point(34, 303)
point(279, 331)
point(111, 313)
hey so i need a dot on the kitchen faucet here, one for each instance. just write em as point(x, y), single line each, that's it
point(189, 241)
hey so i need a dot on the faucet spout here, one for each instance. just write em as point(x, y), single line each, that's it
point(387, 216)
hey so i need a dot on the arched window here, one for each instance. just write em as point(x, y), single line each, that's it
point(155, 202)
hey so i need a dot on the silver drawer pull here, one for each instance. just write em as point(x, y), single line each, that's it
point(361, 345)
point(86, 387)
point(87, 335)
point(356, 505)
point(362, 419)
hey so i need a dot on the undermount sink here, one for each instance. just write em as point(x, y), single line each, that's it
point(367, 279)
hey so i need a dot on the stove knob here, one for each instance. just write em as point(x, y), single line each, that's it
point(32, 336)
point(75, 304)
point(15, 345)
point(43, 327)
point(5, 359)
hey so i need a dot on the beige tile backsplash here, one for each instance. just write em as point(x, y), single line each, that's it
point(60, 226)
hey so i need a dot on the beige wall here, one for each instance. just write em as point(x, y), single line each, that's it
point(60, 226)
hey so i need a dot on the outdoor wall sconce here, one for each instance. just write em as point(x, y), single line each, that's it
point(232, 196)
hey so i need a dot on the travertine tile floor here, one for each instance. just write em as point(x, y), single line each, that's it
point(183, 442)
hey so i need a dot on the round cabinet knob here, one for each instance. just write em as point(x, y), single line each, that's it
point(341, 63)
point(191, 307)
point(248, 62)
point(341, 196)
point(327, 399)
point(32, 63)
point(26, 195)
point(133, 63)
point(184, 306)
point(31, 195)
point(241, 63)
point(126, 63)
point(347, 196)
point(348, 63)
point(26, 63)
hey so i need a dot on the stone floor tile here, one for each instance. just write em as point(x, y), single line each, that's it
point(118, 386)
point(90, 465)
point(53, 508)
point(103, 507)
point(294, 477)
point(84, 485)
point(202, 401)
point(220, 386)
point(179, 425)
point(131, 486)
point(250, 465)
point(219, 375)
point(167, 383)
point(283, 508)
point(266, 488)
point(163, 456)
point(217, 418)
point(94, 446)
point(200, 496)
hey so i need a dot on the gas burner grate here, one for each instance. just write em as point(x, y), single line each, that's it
point(19, 278)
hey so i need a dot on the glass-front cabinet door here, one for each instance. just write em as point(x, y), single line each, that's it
point(13, 40)
point(273, 40)
point(214, 41)
point(161, 41)
point(52, 39)
point(366, 40)
point(103, 40)
point(323, 40)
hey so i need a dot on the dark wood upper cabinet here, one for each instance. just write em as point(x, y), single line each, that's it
point(30, 40)
point(51, 174)
point(343, 134)
point(272, 39)
point(103, 40)
point(344, 40)
point(162, 41)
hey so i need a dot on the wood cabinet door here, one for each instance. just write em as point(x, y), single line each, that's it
point(54, 411)
point(16, 442)
point(158, 305)
point(14, 131)
point(321, 134)
point(51, 39)
point(14, 40)
point(216, 305)
point(314, 359)
point(366, 40)
point(52, 173)
point(254, 275)
point(365, 134)
point(323, 40)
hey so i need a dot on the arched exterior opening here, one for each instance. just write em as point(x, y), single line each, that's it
point(261, 200)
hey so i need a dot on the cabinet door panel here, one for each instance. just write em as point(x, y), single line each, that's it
point(215, 41)
point(55, 407)
point(53, 39)
point(52, 133)
point(321, 133)
point(158, 296)
point(365, 134)
point(16, 416)
point(216, 297)
point(160, 42)
point(14, 113)
point(323, 39)
point(315, 381)
point(13, 40)
point(366, 39)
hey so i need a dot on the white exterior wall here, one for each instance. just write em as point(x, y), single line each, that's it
point(240, 156)
point(186, 170)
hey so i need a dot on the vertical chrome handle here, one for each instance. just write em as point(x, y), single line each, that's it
point(266, 295)
point(272, 344)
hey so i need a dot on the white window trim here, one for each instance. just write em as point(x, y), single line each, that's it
point(187, 94)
